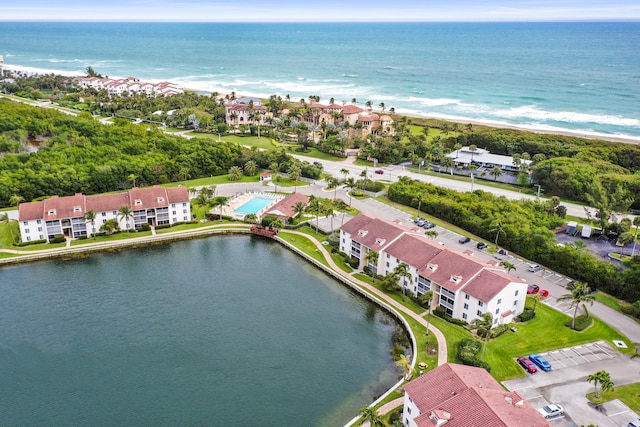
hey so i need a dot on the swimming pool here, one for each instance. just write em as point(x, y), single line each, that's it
point(254, 205)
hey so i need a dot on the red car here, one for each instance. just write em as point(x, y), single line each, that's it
point(379, 171)
point(527, 364)
point(543, 293)
point(533, 289)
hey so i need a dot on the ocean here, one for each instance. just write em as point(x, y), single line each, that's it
point(578, 77)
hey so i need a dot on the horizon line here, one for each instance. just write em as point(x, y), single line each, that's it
point(372, 21)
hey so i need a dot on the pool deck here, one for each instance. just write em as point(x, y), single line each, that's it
point(241, 198)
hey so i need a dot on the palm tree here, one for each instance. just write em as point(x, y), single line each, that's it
point(202, 200)
point(276, 225)
point(604, 379)
point(125, 212)
point(636, 222)
point(402, 270)
point(220, 201)
point(208, 191)
point(5, 218)
point(235, 173)
point(431, 234)
point(90, 216)
point(294, 174)
point(328, 211)
point(495, 172)
point(275, 168)
point(132, 178)
point(344, 172)
point(498, 228)
point(315, 206)
point(420, 198)
point(509, 266)
point(473, 149)
point(426, 298)
point(15, 200)
point(299, 208)
point(371, 415)
point(580, 294)
point(251, 218)
point(350, 183)
point(250, 168)
point(333, 182)
point(372, 258)
point(404, 362)
point(485, 322)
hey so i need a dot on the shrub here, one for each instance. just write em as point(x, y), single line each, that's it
point(32, 242)
point(468, 353)
point(354, 262)
point(268, 219)
point(334, 239)
point(498, 330)
point(145, 227)
point(82, 237)
point(58, 238)
point(583, 321)
point(526, 315)
point(442, 313)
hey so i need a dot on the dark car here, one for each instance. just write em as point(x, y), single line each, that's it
point(317, 163)
point(379, 171)
point(540, 361)
point(482, 245)
point(428, 225)
point(464, 239)
point(533, 289)
point(527, 365)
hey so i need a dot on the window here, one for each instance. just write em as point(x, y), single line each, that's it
point(480, 304)
point(104, 214)
point(499, 301)
point(28, 239)
point(464, 316)
point(387, 263)
point(39, 221)
point(138, 202)
point(184, 205)
point(466, 306)
point(26, 230)
point(39, 229)
point(114, 213)
point(104, 221)
point(466, 296)
point(516, 293)
point(173, 205)
point(344, 240)
point(388, 256)
point(495, 321)
point(173, 212)
point(515, 302)
point(479, 313)
point(497, 310)
point(184, 211)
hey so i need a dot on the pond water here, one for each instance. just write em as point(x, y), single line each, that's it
point(231, 330)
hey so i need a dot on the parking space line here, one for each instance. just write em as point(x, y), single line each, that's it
point(588, 347)
point(575, 350)
point(605, 350)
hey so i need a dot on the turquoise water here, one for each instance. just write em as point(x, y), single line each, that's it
point(224, 331)
point(255, 205)
point(579, 76)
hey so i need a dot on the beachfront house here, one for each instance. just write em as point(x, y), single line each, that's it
point(129, 85)
point(465, 157)
point(460, 395)
point(66, 215)
point(464, 285)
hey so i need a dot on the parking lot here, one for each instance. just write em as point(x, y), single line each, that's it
point(566, 384)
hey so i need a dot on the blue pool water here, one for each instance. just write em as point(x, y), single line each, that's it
point(254, 205)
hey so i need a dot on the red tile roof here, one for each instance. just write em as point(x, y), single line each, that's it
point(351, 109)
point(107, 202)
point(30, 211)
point(489, 283)
point(285, 207)
point(468, 396)
point(64, 207)
point(373, 233)
point(452, 264)
point(415, 250)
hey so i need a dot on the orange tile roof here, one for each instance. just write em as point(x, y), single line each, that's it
point(285, 207)
point(351, 109)
point(415, 250)
point(489, 283)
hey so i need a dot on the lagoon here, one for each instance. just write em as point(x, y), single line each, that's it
point(231, 330)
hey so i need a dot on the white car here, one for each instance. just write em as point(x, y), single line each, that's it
point(551, 410)
point(534, 268)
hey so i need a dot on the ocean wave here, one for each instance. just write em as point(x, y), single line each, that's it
point(531, 112)
point(433, 102)
point(350, 75)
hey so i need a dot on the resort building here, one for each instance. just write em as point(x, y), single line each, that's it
point(129, 85)
point(464, 285)
point(67, 215)
point(464, 157)
point(245, 111)
point(461, 396)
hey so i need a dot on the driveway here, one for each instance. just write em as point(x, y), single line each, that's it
point(567, 384)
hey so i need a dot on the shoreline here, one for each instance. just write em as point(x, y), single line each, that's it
point(544, 130)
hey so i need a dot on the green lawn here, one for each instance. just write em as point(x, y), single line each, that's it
point(214, 180)
point(123, 235)
point(629, 394)
point(5, 234)
point(305, 245)
point(612, 302)
point(544, 333)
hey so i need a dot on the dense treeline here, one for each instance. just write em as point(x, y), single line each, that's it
point(523, 227)
point(572, 166)
point(79, 154)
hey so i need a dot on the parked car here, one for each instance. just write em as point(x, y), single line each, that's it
point(482, 245)
point(551, 410)
point(543, 293)
point(420, 222)
point(503, 252)
point(317, 163)
point(428, 225)
point(527, 365)
point(533, 268)
point(379, 171)
point(540, 361)
point(464, 239)
point(634, 423)
point(533, 289)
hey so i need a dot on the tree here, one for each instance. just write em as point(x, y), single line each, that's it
point(508, 266)
point(220, 201)
point(485, 322)
point(251, 218)
point(372, 259)
point(473, 148)
point(404, 362)
point(15, 200)
point(315, 206)
point(235, 173)
point(371, 415)
point(431, 234)
point(250, 168)
point(110, 226)
point(495, 172)
point(636, 223)
point(402, 270)
point(275, 169)
point(294, 174)
point(132, 178)
point(202, 200)
point(603, 378)
point(425, 299)
point(420, 198)
point(125, 213)
point(208, 191)
point(90, 217)
point(350, 183)
point(580, 294)
point(299, 208)
point(344, 172)
point(332, 182)
point(277, 224)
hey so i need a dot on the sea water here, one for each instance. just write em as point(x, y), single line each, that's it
point(581, 76)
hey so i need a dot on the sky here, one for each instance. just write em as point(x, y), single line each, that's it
point(323, 10)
